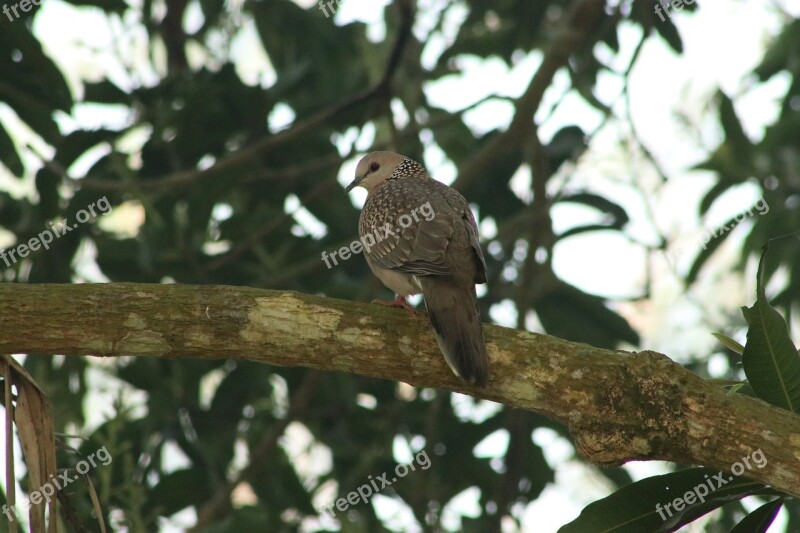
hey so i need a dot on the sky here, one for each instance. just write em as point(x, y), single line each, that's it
point(672, 110)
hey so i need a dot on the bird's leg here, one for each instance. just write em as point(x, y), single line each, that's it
point(399, 301)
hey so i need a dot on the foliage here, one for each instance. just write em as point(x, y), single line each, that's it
point(225, 183)
point(772, 366)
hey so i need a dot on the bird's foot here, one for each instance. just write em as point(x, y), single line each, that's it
point(399, 301)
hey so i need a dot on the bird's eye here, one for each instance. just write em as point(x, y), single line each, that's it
point(374, 166)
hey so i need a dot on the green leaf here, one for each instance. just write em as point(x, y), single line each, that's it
point(178, 490)
point(284, 28)
point(731, 167)
point(249, 518)
point(714, 242)
point(725, 183)
point(11, 210)
point(29, 74)
point(741, 147)
point(670, 34)
point(519, 28)
point(109, 6)
point(650, 504)
point(567, 145)
point(9, 155)
point(779, 54)
point(105, 92)
point(603, 205)
point(33, 111)
point(729, 343)
point(571, 232)
point(770, 359)
point(571, 314)
point(759, 520)
point(79, 142)
point(30, 83)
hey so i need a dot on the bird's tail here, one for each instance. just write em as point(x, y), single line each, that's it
point(456, 321)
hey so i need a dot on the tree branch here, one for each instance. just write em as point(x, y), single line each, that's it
point(619, 406)
point(270, 141)
point(575, 29)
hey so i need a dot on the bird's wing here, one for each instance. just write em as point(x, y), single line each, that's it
point(418, 249)
point(421, 248)
point(475, 242)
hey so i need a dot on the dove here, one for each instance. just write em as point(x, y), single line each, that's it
point(426, 241)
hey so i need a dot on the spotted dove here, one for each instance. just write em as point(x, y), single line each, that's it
point(419, 235)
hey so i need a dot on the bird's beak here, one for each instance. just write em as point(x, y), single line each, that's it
point(353, 184)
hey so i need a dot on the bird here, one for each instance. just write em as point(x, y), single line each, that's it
point(420, 236)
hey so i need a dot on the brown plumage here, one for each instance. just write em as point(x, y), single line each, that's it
point(426, 240)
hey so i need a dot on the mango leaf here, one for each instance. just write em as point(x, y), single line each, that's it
point(9, 155)
point(667, 30)
point(105, 92)
point(603, 205)
point(759, 520)
point(770, 359)
point(779, 54)
point(729, 343)
point(740, 144)
point(571, 232)
point(177, 490)
point(284, 28)
point(109, 6)
point(567, 145)
point(709, 247)
point(652, 504)
point(571, 314)
point(725, 183)
point(29, 74)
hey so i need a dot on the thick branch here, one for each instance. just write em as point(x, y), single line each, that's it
point(618, 405)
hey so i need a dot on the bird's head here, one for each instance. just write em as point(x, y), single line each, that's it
point(375, 168)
